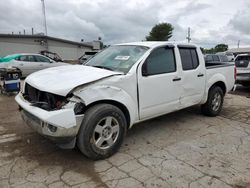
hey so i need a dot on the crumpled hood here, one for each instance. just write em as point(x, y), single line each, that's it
point(61, 80)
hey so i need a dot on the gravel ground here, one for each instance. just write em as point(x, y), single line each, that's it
point(182, 149)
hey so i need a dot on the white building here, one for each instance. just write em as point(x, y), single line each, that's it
point(66, 49)
point(236, 51)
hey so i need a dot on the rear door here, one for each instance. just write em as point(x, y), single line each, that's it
point(159, 83)
point(193, 73)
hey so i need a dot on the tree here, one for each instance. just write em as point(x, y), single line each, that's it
point(217, 48)
point(221, 48)
point(160, 32)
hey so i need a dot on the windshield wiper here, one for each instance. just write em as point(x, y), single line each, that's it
point(103, 67)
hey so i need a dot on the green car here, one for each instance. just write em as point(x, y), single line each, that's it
point(9, 57)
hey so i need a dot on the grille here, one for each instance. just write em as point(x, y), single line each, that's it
point(44, 100)
point(31, 116)
point(241, 63)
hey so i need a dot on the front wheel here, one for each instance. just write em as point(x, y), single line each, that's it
point(102, 131)
point(214, 102)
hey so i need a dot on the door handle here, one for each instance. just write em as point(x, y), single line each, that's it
point(200, 75)
point(176, 79)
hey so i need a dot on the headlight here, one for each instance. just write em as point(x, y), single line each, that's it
point(79, 108)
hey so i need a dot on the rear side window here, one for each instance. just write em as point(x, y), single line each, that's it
point(189, 58)
point(29, 58)
point(223, 58)
point(161, 60)
point(216, 58)
point(208, 58)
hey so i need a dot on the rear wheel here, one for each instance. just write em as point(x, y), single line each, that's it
point(214, 102)
point(102, 131)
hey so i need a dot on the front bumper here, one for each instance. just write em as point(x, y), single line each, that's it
point(60, 126)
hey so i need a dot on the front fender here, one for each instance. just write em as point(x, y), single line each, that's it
point(98, 93)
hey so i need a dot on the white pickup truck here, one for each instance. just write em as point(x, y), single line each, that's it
point(92, 106)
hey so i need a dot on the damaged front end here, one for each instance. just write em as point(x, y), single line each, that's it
point(49, 102)
point(43, 100)
point(53, 116)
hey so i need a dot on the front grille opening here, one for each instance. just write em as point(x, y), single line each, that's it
point(44, 100)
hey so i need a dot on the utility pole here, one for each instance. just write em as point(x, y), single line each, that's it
point(45, 26)
point(188, 36)
point(44, 17)
point(238, 44)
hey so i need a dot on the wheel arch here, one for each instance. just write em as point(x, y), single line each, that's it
point(220, 84)
point(119, 105)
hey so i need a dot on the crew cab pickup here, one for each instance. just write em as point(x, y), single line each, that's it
point(93, 105)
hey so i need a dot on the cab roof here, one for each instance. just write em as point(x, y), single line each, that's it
point(153, 44)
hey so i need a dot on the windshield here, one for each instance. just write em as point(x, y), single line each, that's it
point(118, 58)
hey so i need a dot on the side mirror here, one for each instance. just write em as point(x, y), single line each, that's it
point(144, 69)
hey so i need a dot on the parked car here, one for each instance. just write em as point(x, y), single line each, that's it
point(230, 55)
point(242, 62)
point(215, 58)
point(28, 63)
point(86, 56)
point(93, 105)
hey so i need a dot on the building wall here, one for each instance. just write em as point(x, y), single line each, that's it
point(66, 51)
point(10, 46)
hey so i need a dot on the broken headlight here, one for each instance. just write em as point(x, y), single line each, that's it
point(79, 108)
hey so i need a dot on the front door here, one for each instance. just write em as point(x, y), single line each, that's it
point(159, 83)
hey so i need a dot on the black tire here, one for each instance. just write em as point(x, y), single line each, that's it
point(86, 137)
point(208, 108)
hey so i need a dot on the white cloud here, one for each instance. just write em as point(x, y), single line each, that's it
point(129, 20)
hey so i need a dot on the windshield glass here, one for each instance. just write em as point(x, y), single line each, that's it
point(118, 58)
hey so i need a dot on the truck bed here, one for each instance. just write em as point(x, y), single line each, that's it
point(222, 71)
point(213, 65)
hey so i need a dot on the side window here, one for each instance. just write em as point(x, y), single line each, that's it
point(224, 58)
point(29, 58)
point(189, 58)
point(209, 58)
point(18, 58)
point(23, 58)
point(161, 60)
point(216, 58)
point(194, 58)
point(42, 59)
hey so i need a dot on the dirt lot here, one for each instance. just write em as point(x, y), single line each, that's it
point(182, 149)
